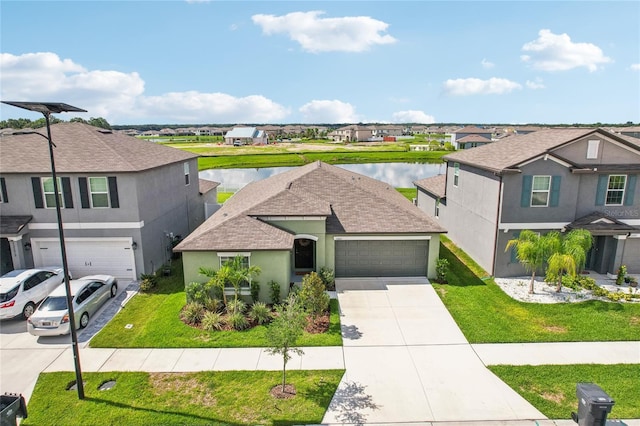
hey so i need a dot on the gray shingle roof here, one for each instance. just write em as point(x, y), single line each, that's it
point(350, 202)
point(206, 185)
point(81, 148)
point(510, 152)
point(435, 185)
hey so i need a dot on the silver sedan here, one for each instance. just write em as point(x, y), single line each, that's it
point(88, 295)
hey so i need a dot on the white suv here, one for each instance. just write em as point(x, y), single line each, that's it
point(21, 290)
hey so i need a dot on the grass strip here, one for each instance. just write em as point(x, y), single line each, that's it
point(203, 398)
point(552, 388)
point(155, 320)
point(485, 314)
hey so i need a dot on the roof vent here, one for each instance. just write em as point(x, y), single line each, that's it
point(105, 131)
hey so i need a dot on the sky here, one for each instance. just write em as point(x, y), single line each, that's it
point(276, 62)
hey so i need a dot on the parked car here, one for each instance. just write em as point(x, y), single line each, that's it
point(21, 290)
point(88, 295)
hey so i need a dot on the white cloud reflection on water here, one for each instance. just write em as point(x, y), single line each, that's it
point(399, 175)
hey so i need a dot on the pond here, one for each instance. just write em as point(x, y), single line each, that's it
point(398, 175)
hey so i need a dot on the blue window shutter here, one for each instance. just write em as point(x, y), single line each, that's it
point(66, 193)
point(514, 252)
point(630, 190)
point(37, 192)
point(113, 192)
point(84, 192)
point(525, 197)
point(601, 194)
point(555, 191)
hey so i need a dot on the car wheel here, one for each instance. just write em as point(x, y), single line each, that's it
point(28, 309)
point(84, 320)
point(114, 290)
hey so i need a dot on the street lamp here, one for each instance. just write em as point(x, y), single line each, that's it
point(47, 108)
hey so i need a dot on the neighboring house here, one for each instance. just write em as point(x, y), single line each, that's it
point(459, 134)
point(245, 136)
point(125, 201)
point(471, 141)
point(209, 192)
point(311, 217)
point(352, 133)
point(558, 179)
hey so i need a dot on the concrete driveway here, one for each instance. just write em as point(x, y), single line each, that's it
point(407, 361)
point(23, 356)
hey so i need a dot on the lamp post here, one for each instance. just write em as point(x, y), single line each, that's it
point(47, 108)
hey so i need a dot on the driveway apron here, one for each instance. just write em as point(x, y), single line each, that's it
point(407, 361)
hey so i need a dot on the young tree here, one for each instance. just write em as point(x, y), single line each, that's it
point(284, 331)
point(569, 254)
point(313, 296)
point(532, 251)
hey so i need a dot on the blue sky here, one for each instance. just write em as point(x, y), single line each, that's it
point(197, 62)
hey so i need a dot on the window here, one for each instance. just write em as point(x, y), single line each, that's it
point(3, 191)
point(224, 259)
point(456, 173)
point(437, 212)
point(615, 190)
point(592, 149)
point(49, 193)
point(228, 257)
point(99, 192)
point(540, 191)
point(186, 173)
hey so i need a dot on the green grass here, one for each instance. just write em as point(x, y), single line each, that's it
point(204, 398)
point(486, 314)
point(156, 324)
point(224, 196)
point(552, 388)
point(299, 159)
point(409, 193)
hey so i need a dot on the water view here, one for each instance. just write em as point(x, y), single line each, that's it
point(399, 175)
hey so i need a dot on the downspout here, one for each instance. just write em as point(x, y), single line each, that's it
point(498, 221)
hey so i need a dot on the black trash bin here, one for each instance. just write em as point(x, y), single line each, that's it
point(593, 405)
point(12, 406)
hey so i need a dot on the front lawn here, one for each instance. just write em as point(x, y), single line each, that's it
point(487, 315)
point(204, 398)
point(552, 388)
point(155, 320)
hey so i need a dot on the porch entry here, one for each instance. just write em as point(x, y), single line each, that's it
point(304, 256)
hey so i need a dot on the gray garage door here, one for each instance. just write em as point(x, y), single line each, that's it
point(632, 255)
point(360, 258)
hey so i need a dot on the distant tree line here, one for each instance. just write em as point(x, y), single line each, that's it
point(25, 123)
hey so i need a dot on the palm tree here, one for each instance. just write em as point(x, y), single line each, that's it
point(532, 251)
point(239, 273)
point(217, 278)
point(569, 254)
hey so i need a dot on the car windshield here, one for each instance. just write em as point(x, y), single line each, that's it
point(13, 273)
point(56, 303)
point(5, 297)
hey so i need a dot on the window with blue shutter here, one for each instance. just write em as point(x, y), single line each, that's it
point(630, 190)
point(525, 197)
point(113, 192)
point(555, 191)
point(601, 192)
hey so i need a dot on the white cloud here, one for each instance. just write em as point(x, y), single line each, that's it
point(316, 34)
point(486, 64)
point(535, 85)
point(325, 111)
point(475, 86)
point(635, 67)
point(556, 52)
point(412, 117)
point(119, 97)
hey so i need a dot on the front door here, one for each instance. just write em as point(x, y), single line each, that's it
point(596, 255)
point(304, 253)
point(6, 261)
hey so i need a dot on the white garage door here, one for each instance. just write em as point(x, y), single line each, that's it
point(88, 256)
point(632, 255)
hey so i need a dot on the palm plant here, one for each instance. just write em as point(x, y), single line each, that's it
point(569, 254)
point(532, 251)
point(239, 273)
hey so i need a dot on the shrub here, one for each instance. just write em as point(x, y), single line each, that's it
point(197, 293)
point(193, 313)
point(260, 313)
point(148, 282)
point(212, 321)
point(238, 321)
point(442, 269)
point(255, 291)
point(213, 305)
point(236, 306)
point(328, 278)
point(312, 295)
point(274, 292)
point(622, 272)
point(586, 282)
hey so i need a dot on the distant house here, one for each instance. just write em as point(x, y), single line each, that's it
point(125, 201)
point(472, 141)
point(469, 131)
point(554, 179)
point(353, 133)
point(245, 136)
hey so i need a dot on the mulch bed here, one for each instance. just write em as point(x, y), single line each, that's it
point(289, 392)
